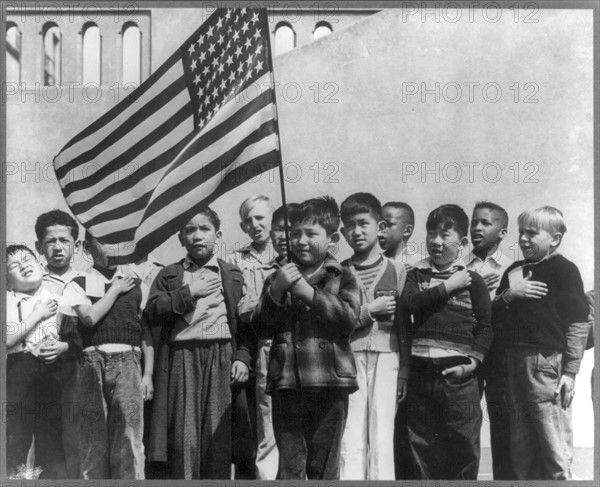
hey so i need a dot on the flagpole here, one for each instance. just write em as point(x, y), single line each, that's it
point(281, 175)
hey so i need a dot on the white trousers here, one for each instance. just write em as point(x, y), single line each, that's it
point(267, 455)
point(368, 441)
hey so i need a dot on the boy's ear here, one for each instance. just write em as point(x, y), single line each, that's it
point(334, 238)
point(85, 246)
point(408, 231)
point(242, 227)
point(180, 238)
point(76, 246)
point(39, 247)
point(343, 232)
point(464, 241)
point(556, 240)
point(502, 233)
point(381, 225)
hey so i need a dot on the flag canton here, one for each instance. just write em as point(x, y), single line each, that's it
point(223, 56)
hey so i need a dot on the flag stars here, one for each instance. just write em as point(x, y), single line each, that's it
point(200, 40)
point(238, 52)
point(229, 60)
point(192, 49)
point(211, 30)
point(245, 27)
point(232, 76)
point(203, 56)
point(259, 66)
point(254, 18)
point(206, 70)
point(200, 92)
point(193, 64)
point(220, 23)
point(248, 43)
point(211, 48)
point(220, 68)
point(259, 49)
point(197, 79)
point(236, 35)
point(215, 61)
point(257, 34)
point(223, 85)
point(221, 39)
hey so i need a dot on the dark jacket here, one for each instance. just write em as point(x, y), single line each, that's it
point(169, 299)
point(311, 341)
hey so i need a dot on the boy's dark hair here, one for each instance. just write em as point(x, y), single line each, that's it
point(488, 205)
point(449, 216)
point(210, 214)
point(279, 213)
point(16, 248)
point(323, 210)
point(399, 205)
point(360, 203)
point(55, 217)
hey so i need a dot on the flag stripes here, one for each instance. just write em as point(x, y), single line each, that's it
point(203, 123)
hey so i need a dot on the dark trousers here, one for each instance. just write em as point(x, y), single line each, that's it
point(498, 412)
point(444, 421)
point(403, 464)
point(33, 408)
point(308, 430)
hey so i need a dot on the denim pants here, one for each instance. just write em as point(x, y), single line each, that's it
point(33, 408)
point(444, 422)
point(308, 429)
point(538, 439)
point(112, 423)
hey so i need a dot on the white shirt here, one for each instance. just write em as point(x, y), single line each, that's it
point(496, 263)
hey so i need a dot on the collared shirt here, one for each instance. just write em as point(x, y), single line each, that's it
point(56, 284)
point(208, 319)
point(18, 307)
point(255, 269)
point(496, 263)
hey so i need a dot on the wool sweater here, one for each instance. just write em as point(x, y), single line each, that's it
point(460, 320)
point(556, 322)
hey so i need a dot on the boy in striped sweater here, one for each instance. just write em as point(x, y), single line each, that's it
point(451, 333)
point(380, 352)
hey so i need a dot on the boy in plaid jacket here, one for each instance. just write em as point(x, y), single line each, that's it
point(310, 308)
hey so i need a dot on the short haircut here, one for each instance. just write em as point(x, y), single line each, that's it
point(399, 205)
point(545, 217)
point(323, 211)
point(360, 203)
point(210, 214)
point(251, 202)
point(16, 248)
point(55, 217)
point(488, 205)
point(449, 216)
point(279, 213)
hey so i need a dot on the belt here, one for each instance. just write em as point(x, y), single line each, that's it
point(111, 348)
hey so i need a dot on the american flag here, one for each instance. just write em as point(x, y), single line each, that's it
point(203, 123)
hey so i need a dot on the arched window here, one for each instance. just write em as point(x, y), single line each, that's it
point(52, 48)
point(321, 30)
point(91, 53)
point(13, 53)
point(285, 38)
point(132, 50)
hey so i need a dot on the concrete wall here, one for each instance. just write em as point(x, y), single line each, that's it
point(355, 115)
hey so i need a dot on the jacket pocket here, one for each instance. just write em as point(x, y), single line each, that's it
point(344, 360)
point(276, 361)
point(550, 365)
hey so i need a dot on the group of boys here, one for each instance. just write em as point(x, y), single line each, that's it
point(294, 365)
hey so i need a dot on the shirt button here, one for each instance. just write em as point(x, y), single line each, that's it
point(298, 346)
point(321, 344)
